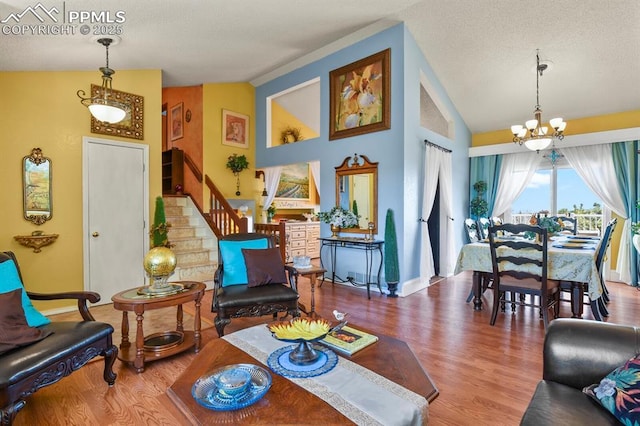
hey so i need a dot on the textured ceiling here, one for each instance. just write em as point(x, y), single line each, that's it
point(483, 52)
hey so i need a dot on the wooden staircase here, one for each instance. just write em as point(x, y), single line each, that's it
point(192, 241)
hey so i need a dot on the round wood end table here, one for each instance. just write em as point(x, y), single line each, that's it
point(158, 345)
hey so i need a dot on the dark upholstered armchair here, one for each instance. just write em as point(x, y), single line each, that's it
point(66, 347)
point(251, 280)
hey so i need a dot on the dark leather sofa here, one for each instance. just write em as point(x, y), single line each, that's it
point(578, 353)
point(72, 344)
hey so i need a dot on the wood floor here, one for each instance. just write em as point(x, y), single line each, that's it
point(485, 375)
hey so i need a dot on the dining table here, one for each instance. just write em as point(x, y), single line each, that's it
point(569, 258)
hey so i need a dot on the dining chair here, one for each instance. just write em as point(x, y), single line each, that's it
point(483, 227)
point(471, 227)
point(569, 225)
point(578, 290)
point(520, 266)
point(474, 236)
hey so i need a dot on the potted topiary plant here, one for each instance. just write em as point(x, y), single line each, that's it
point(237, 163)
point(391, 263)
point(479, 206)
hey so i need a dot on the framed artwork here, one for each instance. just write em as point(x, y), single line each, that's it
point(133, 124)
point(294, 182)
point(177, 123)
point(360, 97)
point(235, 129)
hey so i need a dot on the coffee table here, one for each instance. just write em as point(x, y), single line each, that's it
point(286, 402)
point(160, 345)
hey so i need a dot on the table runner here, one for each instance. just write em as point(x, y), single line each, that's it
point(361, 395)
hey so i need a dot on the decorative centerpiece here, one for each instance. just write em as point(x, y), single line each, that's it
point(303, 332)
point(553, 225)
point(160, 262)
point(338, 218)
point(231, 387)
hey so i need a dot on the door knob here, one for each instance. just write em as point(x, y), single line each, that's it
point(95, 234)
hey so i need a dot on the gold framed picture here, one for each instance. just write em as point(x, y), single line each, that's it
point(177, 122)
point(360, 97)
point(132, 126)
point(235, 129)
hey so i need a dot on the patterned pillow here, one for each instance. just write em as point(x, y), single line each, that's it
point(619, 392)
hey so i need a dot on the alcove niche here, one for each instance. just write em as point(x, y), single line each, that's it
point(293, 115)
point(433, 114)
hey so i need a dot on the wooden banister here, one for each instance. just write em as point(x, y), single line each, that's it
point(193, 167)
point(222, 218)
point(278, 232)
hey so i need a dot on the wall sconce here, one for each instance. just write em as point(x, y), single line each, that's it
point(260, 173)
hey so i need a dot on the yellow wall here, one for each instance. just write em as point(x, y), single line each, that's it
point(240, 98)
point(41, 109)
point(281, 119)
point(599, 123)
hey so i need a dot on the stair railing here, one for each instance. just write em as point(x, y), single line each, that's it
point(222, 218)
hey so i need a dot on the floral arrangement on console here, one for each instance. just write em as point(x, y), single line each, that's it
point(339, 217)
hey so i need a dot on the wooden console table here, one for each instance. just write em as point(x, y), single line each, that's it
point(368, 246)
point(130, 301)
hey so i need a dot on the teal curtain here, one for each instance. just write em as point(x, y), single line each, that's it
point(486, 168)
point(625, 160)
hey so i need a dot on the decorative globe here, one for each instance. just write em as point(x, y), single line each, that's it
point(160, 262)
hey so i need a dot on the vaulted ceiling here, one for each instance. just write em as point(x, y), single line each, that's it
point(483, 52)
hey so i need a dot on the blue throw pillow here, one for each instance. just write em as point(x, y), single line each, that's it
point(619, 392)
point(9, 281)
point(235, 270)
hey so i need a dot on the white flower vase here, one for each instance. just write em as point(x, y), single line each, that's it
point(636, 242)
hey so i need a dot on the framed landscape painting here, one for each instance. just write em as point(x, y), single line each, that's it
point(359, 97)
point(294, 182)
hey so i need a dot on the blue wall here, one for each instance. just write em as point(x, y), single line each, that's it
point(399, 150)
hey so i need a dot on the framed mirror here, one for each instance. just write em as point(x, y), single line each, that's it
point(357, 190)
point(36, 187)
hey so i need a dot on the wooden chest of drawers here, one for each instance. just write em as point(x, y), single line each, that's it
point(302, 239)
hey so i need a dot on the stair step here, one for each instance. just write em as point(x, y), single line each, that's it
point(178, 221)
point(174, 201)
point(175, 211)
point(203, 272)
point(192, 257)
point(181, 232)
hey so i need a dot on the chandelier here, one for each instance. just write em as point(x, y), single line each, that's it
point(102, 106)
point(533, 134)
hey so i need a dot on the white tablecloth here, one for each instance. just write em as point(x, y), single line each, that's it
point(563, 264)
point(361, 395)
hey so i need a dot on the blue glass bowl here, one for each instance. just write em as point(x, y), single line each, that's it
point(223, 389)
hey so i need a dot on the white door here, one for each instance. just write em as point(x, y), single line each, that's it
point(115, 193)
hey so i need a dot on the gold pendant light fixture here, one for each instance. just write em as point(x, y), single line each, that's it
point(533, 134)
point(103, 107)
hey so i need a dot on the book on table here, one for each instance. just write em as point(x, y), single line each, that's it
point(348, 340)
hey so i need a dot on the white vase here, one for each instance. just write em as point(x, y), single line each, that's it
point(636, 242)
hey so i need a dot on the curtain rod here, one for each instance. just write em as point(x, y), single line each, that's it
point(426, 142)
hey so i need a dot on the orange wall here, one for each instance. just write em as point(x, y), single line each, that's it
point(191, 143)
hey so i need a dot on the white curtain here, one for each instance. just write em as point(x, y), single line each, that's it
point(516, 172)
point(448, 256)
point(594, 164)
point(438, 167)
point(271, 179)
